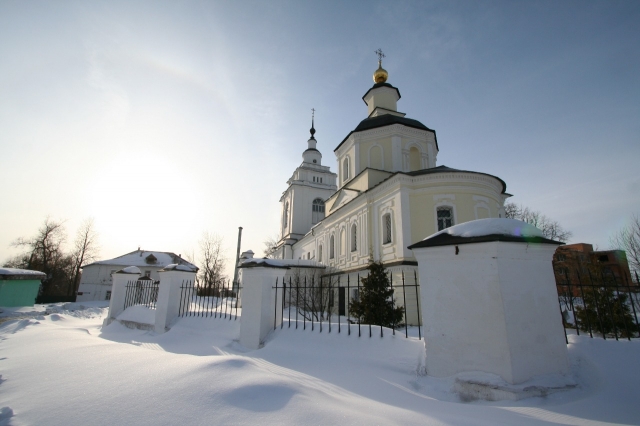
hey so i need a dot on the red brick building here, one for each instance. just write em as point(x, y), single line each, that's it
point(575, 264)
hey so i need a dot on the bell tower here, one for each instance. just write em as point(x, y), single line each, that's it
point(303, 201)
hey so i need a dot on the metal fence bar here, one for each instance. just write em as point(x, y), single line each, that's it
point(633, 306)
point(297, 299)
point(289, 306)
point(563, 328)
point(597, 302)
point(319, 297)
point(584, 304)
point(573, 309)
point(415, 286)
point(622, 310)
point(275, 305)
point(610, 307)
point(359, 333)
point(284, 294)
point(404, 297)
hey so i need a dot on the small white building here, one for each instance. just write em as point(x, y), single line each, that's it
point(96, 280)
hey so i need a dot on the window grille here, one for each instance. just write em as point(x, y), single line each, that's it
point(445, 218)
point(354, 237)
point(386, 220)
point(317, 210)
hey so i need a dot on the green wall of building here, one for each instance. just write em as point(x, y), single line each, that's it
point(18, 292)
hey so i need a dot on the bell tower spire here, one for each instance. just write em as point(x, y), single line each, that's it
point(312, 130)
point(312, 155)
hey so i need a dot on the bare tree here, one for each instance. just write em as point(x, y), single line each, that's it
point(212, 260)
point(270, 246)
point(44, 252)
point(313, 292)
point(44, 249)
point(628, 239)
point(85, 250)
point(550, 228)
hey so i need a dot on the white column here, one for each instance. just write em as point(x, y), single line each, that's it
point(259, 304)
point(168, 304)
point(119, 291)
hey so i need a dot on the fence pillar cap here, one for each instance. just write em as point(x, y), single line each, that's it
point(264, 263)
point(129, 270)
point(486, 230)
point(178, 268)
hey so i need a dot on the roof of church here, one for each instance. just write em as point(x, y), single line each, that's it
point(432, 170)
point(387, 120)
point(445, 169)
point(375, 86)
point(447, 240)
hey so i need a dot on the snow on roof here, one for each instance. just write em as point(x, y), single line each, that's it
point(280, 263)
point(130, 270)
point(143, 258)
point(176, 267)
point(482, 227)
point(485, 230)
point(20, 274)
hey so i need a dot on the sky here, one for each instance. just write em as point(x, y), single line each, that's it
point(164, 120)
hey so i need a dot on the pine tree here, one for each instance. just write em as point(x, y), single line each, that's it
point(375, 303)
point(606, 312)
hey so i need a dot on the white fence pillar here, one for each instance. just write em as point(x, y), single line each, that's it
point(119, 291)
point(260, 308)
point(169, 292)
point(489, 303)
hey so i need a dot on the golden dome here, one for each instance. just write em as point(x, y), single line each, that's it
point(380, 75)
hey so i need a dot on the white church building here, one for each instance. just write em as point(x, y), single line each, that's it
point(388, 193)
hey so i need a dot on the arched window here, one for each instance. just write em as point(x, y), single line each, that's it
point(345, 169)
point(414, 159)
point(320, 253)
point(331, 247)
point(354, 237)
point(285, 215)
point(445, 217)
point(386, 231)
point(317, 210)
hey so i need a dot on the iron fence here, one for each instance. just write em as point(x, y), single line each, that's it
point(316, 303)
point(142, 292)
point(600, 304)
point(212, 300)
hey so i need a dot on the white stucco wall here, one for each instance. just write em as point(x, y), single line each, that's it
point(493, 307)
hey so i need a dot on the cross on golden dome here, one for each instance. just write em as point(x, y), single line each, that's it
point(380, 75)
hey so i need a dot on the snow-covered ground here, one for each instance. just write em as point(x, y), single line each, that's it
point(63, 368)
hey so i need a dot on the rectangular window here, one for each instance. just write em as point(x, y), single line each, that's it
point(386, 219)
point(445, 218)
point(147, 274)
point(108, 295)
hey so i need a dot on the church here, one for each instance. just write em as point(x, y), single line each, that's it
point(388, 193)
